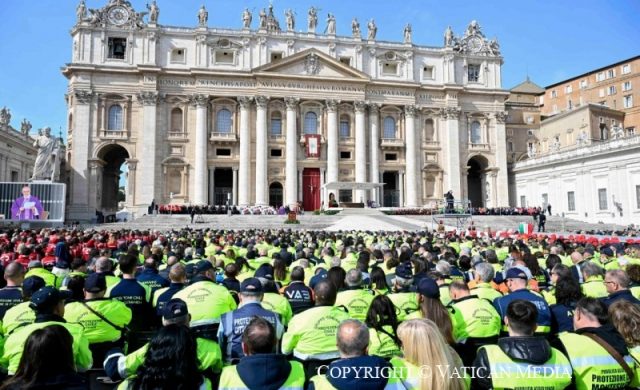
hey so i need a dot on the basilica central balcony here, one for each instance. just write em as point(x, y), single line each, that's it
point(223, 138)
point(114, 134)
point(391, 143)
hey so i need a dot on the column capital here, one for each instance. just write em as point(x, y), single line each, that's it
point(199, 100)
point(360, 106)
point(332, 105)
point(374, 108)
point(410, 111)
point(262, 101)
point(451, 112)
point(501, 116)
point(83, 96)
point(245, 101)
point(132, 164)
point(148, 98)
point(292, 103)
point(96, 163)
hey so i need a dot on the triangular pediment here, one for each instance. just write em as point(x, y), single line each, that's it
point(311, 63)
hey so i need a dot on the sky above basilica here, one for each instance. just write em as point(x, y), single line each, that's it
point(548, 40)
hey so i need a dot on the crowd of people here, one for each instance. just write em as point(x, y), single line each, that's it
point(217, 209)
point(271, 309)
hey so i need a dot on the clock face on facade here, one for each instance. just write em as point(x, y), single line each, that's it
point(474, 44)
point(118, 15)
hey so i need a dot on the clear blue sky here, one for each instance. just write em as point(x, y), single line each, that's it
point(549, 39)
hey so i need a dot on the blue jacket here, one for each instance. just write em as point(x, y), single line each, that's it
point(544, 313)
point(150, 277)
point(264, 371)
point(9, 297)
point(165, 296)
point(357, 380)
point(562, 318)
point(132, 294)
point(233, 323)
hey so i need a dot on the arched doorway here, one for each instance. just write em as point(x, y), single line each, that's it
point(275, 194)
point(476, 185)
point(113, 181)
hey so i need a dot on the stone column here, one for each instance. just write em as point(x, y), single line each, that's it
point(300, 181)
point(95, 185)
point(2, 168)
point(245, 151)
point(79, 208)
point(410, 156)
point(291, 170)
point(262, 165)
point(323, 181)
point(234, 187)
point(401, 187)
point(212, 185)
point(374, 150)
point(332, 143)
point(452, 115)
point(502, 180)
point(493, 194)
point(361, 151)
point(130, 195)
point(201, 143)
point(148, 164)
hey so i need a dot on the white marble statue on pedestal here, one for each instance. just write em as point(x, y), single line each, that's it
point(246, 18)
point(47, 158)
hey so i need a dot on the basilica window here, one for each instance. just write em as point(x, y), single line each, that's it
point(602, 198)
point(345, 127)
point(571, 201)
point(389, 128)
point(429, 132)
point(224, 57)
point(390, 68)
point(311, 123)
point(176, 120)
point(117, 48)
point(428, 73)
point(430, 186)
point(276, 123)
point(178, 56)
point(476, 136)
point(223, 121)
point(473, 73)
point(115, 121)
point(276, 55)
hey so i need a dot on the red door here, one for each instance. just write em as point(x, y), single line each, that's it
point(311, 189)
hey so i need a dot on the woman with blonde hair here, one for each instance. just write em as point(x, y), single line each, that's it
point(625, 317)
point(428, 362)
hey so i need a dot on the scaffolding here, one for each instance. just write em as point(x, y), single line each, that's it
point(457, 210)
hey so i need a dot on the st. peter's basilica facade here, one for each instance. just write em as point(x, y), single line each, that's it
point(265, 114)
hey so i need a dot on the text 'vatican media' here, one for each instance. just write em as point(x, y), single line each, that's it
point(520, 371)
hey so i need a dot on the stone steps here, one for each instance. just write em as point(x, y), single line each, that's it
point(348, 219)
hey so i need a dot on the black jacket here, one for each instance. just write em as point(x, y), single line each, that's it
point(624, 295)
point(61, 381)
point(533, 350)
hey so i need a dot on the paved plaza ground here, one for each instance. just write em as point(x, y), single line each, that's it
point(349, 219)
